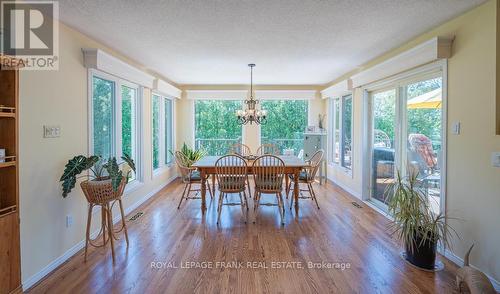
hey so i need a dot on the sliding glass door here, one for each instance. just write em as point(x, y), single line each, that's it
point(406, 136)
point(383, 142)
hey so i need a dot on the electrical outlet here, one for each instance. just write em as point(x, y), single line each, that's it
point(51, 131)
point(69, 221)
point(455, 128)
point(495, 159)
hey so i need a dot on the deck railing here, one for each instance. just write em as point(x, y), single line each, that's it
point(216, 146)
point(295, 144)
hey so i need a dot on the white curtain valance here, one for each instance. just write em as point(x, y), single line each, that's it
point(216, 94)
point(431, 50)
point(339, 89)
point(98, 59)
point(285, 94)
point(166, 89)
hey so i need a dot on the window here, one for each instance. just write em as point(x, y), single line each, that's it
point(216, 127)
point(287, 120)
point(115, 117)
point(162, 130)
point(406, 134)
point(341, 126)
point(346, 154)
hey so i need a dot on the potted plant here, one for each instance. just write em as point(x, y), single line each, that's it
point(414, 224)
point(189, 155)
point(107, 176)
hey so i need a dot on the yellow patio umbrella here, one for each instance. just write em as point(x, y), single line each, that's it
point(432, 100)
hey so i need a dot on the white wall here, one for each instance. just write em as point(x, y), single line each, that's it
point(60, 98)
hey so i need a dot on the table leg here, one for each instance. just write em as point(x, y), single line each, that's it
point(213, 185)
point(296, 190)
point(203, 191)
point(287, 181)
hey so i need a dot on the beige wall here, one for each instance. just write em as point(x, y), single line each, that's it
point(473, 185)
point(60, 98)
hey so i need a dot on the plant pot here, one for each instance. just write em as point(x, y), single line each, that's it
point(423, 255)
point(100, 192)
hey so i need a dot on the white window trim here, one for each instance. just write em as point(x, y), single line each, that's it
point(117, 138)
point(338, 165)
point(414, 75)
point(163, 167)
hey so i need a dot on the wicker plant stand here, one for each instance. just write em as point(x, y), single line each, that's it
point(101, 193)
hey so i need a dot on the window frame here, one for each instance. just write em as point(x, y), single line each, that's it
point(163, 165)
point(340, 101)
point(116, 143)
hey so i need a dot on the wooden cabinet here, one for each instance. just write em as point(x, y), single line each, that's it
point(10, 265)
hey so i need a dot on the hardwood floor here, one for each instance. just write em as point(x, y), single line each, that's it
point(338, 233)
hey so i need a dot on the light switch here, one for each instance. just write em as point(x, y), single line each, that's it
point(51, 131)
point(455, 128)
point(495, 159)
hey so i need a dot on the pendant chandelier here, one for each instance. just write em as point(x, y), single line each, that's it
point(251, 114)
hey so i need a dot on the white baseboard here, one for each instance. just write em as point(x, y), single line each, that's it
point(29, 282)
point(460, 262)
point(345, 188)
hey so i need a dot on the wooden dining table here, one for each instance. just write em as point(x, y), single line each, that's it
point(206, 167)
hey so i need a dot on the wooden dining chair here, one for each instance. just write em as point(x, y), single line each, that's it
point(240, 149)
point(232, 178)
point(189, 176)
point(270, 149)
point(268, 173)
point(307, 176)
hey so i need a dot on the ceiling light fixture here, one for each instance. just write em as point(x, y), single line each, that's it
point(251, 114)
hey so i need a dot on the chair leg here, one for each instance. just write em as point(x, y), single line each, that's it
point(110, 230)
point(256, 206)
point(87, 233)
point(280, 205)
point(123, 220)
point(313, 194)
point(292, 197)
point(210, 190)
point(219, 207)
point(282, 208)
point(243, 210)
point(182, 197)
point(245, 198)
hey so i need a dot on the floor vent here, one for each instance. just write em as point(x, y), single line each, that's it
point(136, 216)
point(356, 205)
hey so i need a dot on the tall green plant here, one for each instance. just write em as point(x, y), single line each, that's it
point(99, 171)
point(413, 218)
point(190, 156)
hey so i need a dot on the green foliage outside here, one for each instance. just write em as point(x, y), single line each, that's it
point(286, 122)
point(156, 131)
point(425, 121)
point(216, 127)
point(103, 114)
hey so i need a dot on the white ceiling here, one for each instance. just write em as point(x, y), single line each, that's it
point(291, 41)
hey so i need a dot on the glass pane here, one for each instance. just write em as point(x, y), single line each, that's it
point(156, 131)
point(129, 121)
point(347, 131)
point(168, 131)
point(216, 127)
point(102, 104)
point(424, 152)
point(129, 104)
point(383, 153)
point(286, 122)
point(336, 130)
